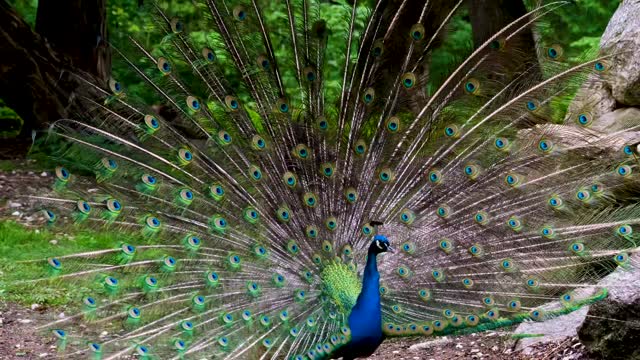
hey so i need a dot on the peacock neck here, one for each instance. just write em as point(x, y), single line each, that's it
point(369, 299)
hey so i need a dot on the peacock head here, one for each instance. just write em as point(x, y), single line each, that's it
point(379, 245)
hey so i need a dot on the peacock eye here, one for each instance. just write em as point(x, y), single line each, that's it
point(208, 55)
point(417, 32)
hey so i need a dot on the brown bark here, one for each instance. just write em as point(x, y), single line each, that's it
point(36, 77)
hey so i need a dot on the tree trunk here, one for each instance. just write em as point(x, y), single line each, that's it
point(37, 76)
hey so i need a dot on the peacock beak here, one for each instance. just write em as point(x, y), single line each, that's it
point(390, 249)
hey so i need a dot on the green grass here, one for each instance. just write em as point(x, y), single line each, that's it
point(19, 244)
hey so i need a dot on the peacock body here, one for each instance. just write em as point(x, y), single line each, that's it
point(253, 219)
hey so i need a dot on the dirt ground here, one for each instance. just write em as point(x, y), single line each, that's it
point(19, 340)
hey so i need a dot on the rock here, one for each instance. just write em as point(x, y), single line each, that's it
point(16, 213)
point(622, 36)
point(53, 242)
point(43, 355)
point(14, 204)
point(34, 306)
point(555, 329)
point(612, 329)
point(428, 344)
point(25, 321)
point(459, 346)
point(43, 174)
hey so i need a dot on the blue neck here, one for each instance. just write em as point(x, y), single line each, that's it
point(365, 319)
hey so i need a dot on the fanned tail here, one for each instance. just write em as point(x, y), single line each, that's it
point(242, 217)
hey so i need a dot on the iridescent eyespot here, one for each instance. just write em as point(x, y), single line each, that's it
point(133, 312)
point(351, 195)
point(393, 124)
point(114, 206)
point(255, 173)
point(322, 123)
point(555, 202)
point(152, 222)
point(446, 245)
point(403, 271)
point(367, 229)
point(239, 13)
point(424, 294)
point(577, 248)
point(109, 165)
point(224, 138)
point(532, 105)
point(601, 66)
point(443, 211)
point(407, 216)
point(583, 195)
point(532, 283)
point(331, 223)
point(452, 131)
point(311, 231)
point(467, 283)
point(408, 80)
point(301, 151)
point(488, 301)
point(208, 55)
point(472, 86)
point(192, 243)
point(437, 275)
point(386, 175)
point(514, 223)
point(62, 174)
point(290, 179)
point(258, 143)
point(501, 144)
point(475, 250)
point(513, 180)
point(472, 171)
point(378, 48)
point(360, 147)
point(309, 73)
point(218, 223)
point(251, 215)
point(597, 188)
point(83, 207)
point(435, 176)
point(554, 52)
point(514, 305)
point(193, 103)
point(506, 264)
point(49, 216)
point(536, 314)
point(548, 232)
point(282, 106)
point(283, 214)
point(584, 119)
point(624, 170)
point(545, 146)
point(624, 230)
point(54, 263)
point(327, 169)
point(231, 102)
point(185, 156)
point(621, 259)
point(417, 32)
point(115, 86)
point(177, 26)
point(151, 124)
point(481, 218)
point(409, 247)
point(368, 96)
point(60, 334)
point(164, 66)
point(216, 191)
point(263, 62)
point(310, 199)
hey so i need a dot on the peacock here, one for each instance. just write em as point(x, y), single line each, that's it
point(285, 203)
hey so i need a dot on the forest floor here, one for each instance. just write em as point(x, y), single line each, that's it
point(19, 315)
